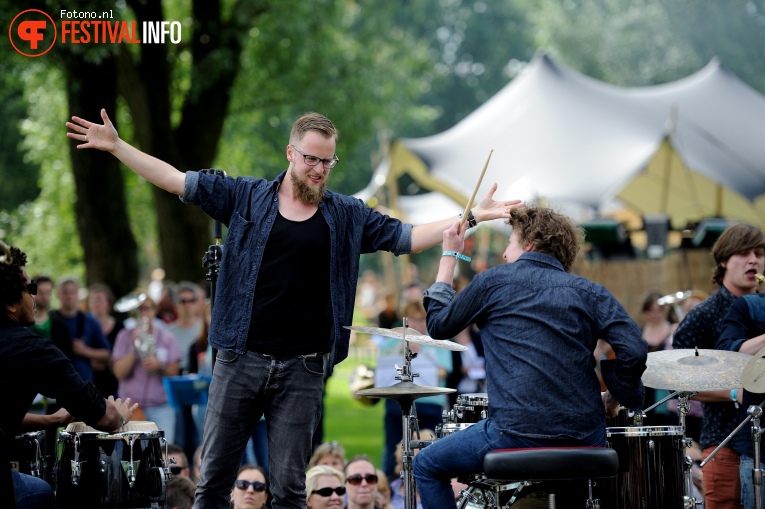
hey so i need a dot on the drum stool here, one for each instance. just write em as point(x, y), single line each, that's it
point(553, 464)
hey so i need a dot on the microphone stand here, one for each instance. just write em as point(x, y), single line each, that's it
point(212, 257)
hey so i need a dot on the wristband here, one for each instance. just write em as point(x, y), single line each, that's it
point(471, 222)
point(457, 255)
point(734, 396)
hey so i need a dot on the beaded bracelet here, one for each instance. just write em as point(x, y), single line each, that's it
point(457, 255)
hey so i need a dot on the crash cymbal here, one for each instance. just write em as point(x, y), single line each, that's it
point(695, 369)
point(753, 377)
point(404, 390)
point(412, 335)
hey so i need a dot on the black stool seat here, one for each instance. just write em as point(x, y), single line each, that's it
point(551, 463)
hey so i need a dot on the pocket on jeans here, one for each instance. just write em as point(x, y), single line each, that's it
point(226, 356)
point(314, 365)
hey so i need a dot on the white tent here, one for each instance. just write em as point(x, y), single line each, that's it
point(569, 139)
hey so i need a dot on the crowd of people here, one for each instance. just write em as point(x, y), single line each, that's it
point(556, 354)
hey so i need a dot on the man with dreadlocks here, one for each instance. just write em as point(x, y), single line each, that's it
point(30, 365)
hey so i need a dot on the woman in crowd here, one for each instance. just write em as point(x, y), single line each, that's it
point(250, 489)
point(361, 483)
point(324, 487)
point(329, 453)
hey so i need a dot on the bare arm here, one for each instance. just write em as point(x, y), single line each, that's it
point(753, 345)
point(124, 366)
point(36, 422)
point(104, 137)
point(430, 234)
point(97, 354)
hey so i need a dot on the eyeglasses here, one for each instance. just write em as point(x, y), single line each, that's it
point(327, 492)
point(314, 160)
point(357, 478)
point(31, 288)
point(243, 484)
point(188, 301)
point(176, 470)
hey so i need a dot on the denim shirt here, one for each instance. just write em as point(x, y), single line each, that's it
point(539, 326)
point(745, 320)
point(248, 206)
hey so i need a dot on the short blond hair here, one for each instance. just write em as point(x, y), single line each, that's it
point(313, 474)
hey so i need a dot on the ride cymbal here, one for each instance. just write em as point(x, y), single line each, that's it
point(695, 369)
point(404, 390)
point(409, 334)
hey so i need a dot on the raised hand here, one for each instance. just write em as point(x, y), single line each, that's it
point(99, 136)
point(488, 209)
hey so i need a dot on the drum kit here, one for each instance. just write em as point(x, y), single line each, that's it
point(99, 469)
point(654, 469)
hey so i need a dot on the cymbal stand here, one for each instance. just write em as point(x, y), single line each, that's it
point(755, 412)
point(409, 423)
point(733, 433)
point(683, 407)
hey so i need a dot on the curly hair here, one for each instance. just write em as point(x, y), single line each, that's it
point(12, 280)
point(550, 232)
point(736, 239)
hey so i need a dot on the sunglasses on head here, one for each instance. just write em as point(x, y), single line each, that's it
point(357, 478)
point(243, 484)
point(327, 492)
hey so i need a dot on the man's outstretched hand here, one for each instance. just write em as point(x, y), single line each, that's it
point(99, 136)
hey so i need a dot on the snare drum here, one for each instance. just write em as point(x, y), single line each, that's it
point(98, 469)
point(650, 467)
point(26, 455)
point(471, 408)
point(450, 428)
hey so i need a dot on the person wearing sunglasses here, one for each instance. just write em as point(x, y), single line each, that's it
point(286, 289)
point(361, 483)
point(30, 364)
point(250, 488)
point(324, 487)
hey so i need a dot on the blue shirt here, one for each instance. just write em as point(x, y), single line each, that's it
point(745, 320)
point(93, 336)
point(248, 206)
point(539, 326)
point(701, 328)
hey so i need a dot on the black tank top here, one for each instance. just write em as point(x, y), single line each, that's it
point(291, 308)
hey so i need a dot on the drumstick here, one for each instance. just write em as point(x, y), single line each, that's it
point(475, 191)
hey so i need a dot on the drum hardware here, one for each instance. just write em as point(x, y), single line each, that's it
point(76, 472)
point(26, 455)
point(405, 392)
point(695, 369)
point(755, 414)
point(104, 473)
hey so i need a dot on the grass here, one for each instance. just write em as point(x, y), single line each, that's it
point(357, 427)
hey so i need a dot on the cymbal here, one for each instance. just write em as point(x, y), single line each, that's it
point(412, 335)
point(753, 377)
point(404, 390)
point(695, 370)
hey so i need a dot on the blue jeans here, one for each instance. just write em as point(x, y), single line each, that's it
point(244, 388)
point(462, 454)
point(747, 484)
point(32, 492)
